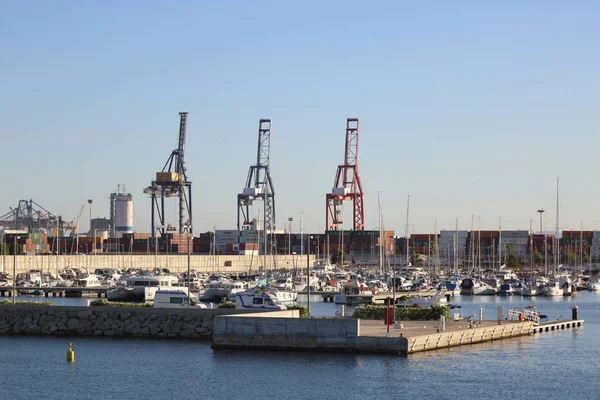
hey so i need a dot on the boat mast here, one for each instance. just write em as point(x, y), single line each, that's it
point(581, 248)
point(545, 249)
point(436, 250)
point(472, 247)
point(557, 245)
point(380, 234)
point(456, 248)
point(531, 250)
point(479, 243)
point(499, 243)
point(406, 231)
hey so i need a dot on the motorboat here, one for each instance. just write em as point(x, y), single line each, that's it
point(85, 280)
point(552, 288)
point(594, 285)
point(222, 290)
point(5, 279)
point(474, 287)
point(530, 290)
point(142, 288)
point(436, 300)
point(352, 299)
point(323, 265)
point(284, 296)
point(451, 286)
point(260, 300)
point(506, 289)
point(195, 280)
point(284, 283)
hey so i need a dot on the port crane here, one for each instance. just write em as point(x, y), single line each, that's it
point(259, 184)
point(31, 216)
point(346, 185)
point(172, 180)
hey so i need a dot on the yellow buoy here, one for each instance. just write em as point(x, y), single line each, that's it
point(70, 353)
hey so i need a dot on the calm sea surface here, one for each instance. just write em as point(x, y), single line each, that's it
point(552, 365)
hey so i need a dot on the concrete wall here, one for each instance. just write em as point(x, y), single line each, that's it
point(474, 335)
point(320, 334)
point(109, 321)
point(176, 263)
point(285, 333)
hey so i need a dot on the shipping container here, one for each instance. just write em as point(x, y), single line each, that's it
point(167, 177)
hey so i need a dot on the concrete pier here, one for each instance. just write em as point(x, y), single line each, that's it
point(279, 332)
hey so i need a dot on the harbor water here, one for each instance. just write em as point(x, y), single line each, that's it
point(550, 365)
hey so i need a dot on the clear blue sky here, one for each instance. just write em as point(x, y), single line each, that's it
point(472, 108)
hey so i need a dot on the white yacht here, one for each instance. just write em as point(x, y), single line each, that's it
point(476, 287)
point(594, 285)
point(284, 296)
point(552, 288)
point(323, 265)
point(86, 280)
point(530, 291)
point(219, 290)
point(142, 288)
point(437, 299)
point(284, 283)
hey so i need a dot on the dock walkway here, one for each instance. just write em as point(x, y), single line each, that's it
point(57, 291)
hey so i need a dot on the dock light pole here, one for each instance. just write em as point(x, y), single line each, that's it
point(14, 292)
point(90, 201)
point(308, 275)
point(541, 211)
point(290, 220)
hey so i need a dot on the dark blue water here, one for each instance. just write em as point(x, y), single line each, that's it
point(553, 365)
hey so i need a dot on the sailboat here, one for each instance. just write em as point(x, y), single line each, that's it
point(530, 289)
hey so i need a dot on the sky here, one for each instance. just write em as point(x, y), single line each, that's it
point(473, 109)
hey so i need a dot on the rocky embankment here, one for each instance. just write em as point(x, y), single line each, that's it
point(108, 321)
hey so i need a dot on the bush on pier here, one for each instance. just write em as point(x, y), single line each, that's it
point(106, 303)
point(25, 303)
point(303, 310)
point(402, 313)
point(227, 304)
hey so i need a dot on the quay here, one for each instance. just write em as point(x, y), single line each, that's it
point(57, 291)
point(274, 330)
point(270, 331)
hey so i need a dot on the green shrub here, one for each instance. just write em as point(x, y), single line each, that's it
point(227, 304)
point(303, 310)
point(25, 303)
point(402, 313)
point(106, 303)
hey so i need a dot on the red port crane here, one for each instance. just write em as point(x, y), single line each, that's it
point(347, 184)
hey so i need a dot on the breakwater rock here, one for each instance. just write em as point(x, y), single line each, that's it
point(109, 321)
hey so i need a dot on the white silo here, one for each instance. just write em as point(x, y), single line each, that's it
point(123, 214)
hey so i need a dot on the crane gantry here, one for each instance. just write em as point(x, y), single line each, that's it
point(346, 185)
point(172, 180)
point(259, 184)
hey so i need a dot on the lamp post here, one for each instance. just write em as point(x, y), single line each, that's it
point(14, 292)
point(541, 211)
point(308, 277)
point(290, 219)
point(90, 201)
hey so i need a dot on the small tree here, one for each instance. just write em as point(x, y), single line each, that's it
point(415, 259)
point(512, 261)
point(538, 256)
